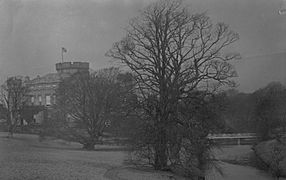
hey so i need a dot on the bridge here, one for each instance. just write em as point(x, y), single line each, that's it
point(234, 139)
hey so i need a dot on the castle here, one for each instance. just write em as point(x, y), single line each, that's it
point(43, 88)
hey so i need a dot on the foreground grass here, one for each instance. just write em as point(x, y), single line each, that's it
point(24, 157)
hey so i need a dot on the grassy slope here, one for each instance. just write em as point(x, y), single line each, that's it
point(265, 151)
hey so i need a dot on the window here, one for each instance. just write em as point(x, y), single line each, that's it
point(54, 99)
point(48, 100)
point(40, 100)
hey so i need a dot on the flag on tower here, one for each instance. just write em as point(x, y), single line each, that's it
point(64, 49)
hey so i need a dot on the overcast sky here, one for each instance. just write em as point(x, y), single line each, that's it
point(32, 33)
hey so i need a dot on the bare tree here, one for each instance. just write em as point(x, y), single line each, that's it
point(89, 102)
point(172, 52)
point(14, 96)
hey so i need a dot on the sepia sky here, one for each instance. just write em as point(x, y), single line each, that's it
point(32, 33)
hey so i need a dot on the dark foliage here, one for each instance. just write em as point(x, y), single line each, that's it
point(270, 112)
point(14, 97)
point(88, 104)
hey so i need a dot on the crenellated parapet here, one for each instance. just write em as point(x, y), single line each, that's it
point(72, 67)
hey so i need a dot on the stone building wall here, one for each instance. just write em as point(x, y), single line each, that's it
point(43, 89)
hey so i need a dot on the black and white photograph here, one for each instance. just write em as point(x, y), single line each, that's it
point(142, 89)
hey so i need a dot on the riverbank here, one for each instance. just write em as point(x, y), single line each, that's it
point(272, 155)
point(238, 162)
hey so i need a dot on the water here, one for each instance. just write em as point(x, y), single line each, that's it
point(237, 172)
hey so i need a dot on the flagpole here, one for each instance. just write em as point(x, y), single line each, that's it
point(62, 55)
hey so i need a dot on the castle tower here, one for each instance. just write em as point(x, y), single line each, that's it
point(72, 67)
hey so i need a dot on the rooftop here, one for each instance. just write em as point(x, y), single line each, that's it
point(49, 78)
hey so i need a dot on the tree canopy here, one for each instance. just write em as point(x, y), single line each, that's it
point(173, 53)
point(90, 102)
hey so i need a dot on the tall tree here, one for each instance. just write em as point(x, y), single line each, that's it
point(14, 96)
point(270, 112)
point(172, 52)
point(89, 102)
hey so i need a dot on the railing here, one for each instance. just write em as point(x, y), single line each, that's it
point(234, 139)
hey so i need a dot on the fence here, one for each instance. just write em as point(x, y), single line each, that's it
point(234, 139)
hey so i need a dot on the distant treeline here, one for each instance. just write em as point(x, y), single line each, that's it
point(262, 111)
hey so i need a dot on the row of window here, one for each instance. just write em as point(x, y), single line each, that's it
point(49, 100)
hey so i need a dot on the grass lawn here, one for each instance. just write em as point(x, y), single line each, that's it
point(24, 157)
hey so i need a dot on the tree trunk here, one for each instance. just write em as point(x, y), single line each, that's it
point(90, 142)
point(11, 130)
point(161, 150)
point(89, 146)
point(161, 157)
point(11, 125)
